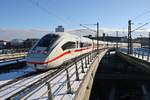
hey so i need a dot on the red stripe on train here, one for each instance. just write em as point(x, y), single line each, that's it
point(56, 58)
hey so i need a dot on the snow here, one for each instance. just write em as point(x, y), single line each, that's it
point(19, 85)
point(5, 77)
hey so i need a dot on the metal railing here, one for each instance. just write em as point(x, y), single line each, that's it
point(141, 54)
point(64, 83)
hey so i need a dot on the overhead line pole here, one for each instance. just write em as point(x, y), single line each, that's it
point(130, 45)
point(129, 38)
point(117, 40)
point(97, 36)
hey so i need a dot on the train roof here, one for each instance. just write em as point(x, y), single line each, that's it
point(69, 35)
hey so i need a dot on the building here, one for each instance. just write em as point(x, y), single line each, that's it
point(59, 29)
point(144, 41)
point(28, 43)
point(2, 44)
point(16, 42)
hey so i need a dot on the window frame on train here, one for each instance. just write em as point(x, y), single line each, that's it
point(68, 45)
point(47, 40)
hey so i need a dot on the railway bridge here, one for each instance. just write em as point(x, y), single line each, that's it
point(74, 80)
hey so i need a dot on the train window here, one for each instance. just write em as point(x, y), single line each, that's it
point(85, 44)
point(69, 45)
point(47, 40)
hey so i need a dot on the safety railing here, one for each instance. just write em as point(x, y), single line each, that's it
point(141, 54)
point(65, 83)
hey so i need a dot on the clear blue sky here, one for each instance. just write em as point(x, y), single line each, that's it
point(23, 14)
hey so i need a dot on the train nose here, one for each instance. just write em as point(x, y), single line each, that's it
point(38, 66)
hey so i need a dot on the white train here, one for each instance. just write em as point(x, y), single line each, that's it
point(54, 49)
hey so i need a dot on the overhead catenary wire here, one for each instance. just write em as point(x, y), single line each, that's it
point(88, 28)
point(139, 27)
point(48, 11)
point(140, 15)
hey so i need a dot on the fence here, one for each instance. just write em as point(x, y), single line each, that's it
point(63, 84)
point(141, 54)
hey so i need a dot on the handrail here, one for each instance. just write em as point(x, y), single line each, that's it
point(70, 73)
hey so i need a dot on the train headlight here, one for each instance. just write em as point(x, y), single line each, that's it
point(45, 65)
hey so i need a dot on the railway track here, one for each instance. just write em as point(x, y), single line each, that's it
point(17, 79)
point(20, 83)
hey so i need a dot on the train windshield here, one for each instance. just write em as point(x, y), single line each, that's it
point(47, 40)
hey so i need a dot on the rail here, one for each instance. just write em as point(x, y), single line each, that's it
point(141, 54)
point(62, 83)
point(8, 57)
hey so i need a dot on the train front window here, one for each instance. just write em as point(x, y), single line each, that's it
point(47, 40)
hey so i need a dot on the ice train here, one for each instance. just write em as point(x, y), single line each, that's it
point(55, 48)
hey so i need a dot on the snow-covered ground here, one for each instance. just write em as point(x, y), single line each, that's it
point(19, 85)
point(5, 77)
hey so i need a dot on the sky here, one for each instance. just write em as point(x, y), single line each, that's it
point(45, 15)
